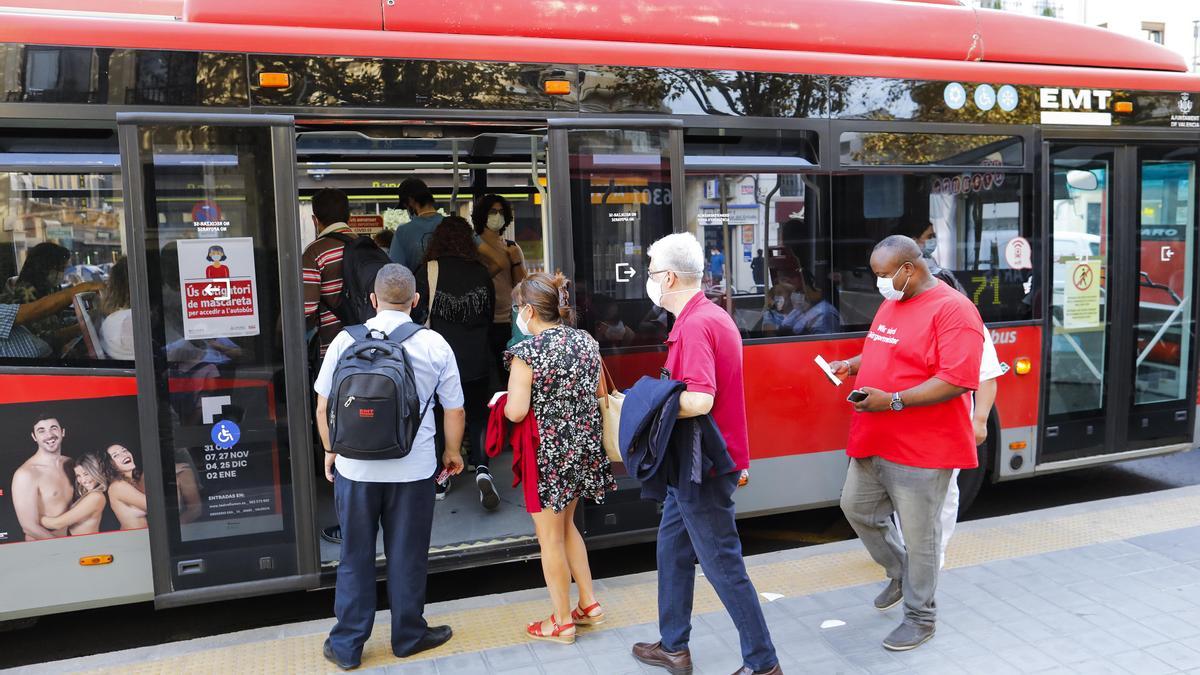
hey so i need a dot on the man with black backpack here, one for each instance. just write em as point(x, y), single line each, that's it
point(339, 270)
point(375, 395)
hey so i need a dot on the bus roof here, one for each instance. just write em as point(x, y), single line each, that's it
point(844, 37)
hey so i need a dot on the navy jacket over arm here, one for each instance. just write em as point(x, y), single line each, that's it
point(660, 449)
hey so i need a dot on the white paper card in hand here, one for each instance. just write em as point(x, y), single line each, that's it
point(820, 361)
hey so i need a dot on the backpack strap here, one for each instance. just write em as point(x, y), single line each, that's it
point(342, 237)
point(404, 331)
point(358, 332)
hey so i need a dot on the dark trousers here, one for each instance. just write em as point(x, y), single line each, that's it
point(498, 336)
point(476, 395)
point(704, 529)
point(405, 510)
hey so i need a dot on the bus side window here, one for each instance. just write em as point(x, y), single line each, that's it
point(64, 283)
point(979, 230)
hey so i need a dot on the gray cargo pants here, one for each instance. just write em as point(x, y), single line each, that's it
point(874, 489)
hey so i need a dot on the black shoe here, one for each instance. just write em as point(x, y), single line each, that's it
point(327, 650)
point(332, 534)
point(435, 636)
point(487, 489)
point(442, 489)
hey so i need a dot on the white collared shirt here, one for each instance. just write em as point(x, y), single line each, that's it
point(434, 370)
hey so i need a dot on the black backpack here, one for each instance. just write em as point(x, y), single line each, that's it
point(374, 408)
point(361, 261)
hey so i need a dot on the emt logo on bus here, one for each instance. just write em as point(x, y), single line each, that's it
point(1055, 98)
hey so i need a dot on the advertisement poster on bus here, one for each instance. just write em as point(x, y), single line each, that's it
point(220, 297)
point(71, 466)
point(1081, 299)
point(231, 440)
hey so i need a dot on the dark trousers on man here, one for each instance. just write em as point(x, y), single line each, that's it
point(704, 529)
point(405, 510)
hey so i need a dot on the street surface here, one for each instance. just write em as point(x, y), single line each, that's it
point(130, 626)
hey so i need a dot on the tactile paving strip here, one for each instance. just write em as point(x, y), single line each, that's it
point(633, 603)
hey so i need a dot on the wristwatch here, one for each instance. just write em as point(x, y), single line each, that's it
point(897, 404)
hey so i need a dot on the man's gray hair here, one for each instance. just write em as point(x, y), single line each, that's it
point(900, 245)
point(680, 253)
point(395, 284)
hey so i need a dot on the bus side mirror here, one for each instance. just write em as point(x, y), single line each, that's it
point(1082, 180)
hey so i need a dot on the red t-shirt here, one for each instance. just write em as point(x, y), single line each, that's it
point(704, 351)
point(935, 334)
point(212, 272)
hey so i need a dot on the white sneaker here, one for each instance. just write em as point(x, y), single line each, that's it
point(442, 489)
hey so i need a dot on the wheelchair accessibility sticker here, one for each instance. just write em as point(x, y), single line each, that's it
point(225, 434)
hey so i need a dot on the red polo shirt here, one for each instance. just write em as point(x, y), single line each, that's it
point(704, 351)
point(936, 334)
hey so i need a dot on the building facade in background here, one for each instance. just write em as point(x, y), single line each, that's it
point(1174, 24)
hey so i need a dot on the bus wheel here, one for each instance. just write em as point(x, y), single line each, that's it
point(970, 482)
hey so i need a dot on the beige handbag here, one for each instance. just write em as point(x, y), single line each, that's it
point(610, 411)
point(431, 274)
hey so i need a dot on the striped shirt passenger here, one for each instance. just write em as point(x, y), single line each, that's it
point(322, 261)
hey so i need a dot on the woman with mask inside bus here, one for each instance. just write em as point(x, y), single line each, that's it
point(491, 218)
point(555, 374)
point(126, 489)
point(83, 517)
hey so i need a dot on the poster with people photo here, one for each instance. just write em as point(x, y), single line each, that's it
point(70, 467)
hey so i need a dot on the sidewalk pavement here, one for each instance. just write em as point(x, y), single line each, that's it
point(1103, 587)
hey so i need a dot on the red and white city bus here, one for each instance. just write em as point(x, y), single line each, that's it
point(1055, 163)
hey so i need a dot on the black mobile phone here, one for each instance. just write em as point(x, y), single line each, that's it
point(857, 396)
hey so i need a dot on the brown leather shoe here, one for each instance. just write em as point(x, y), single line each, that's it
point(747, 670)
point(653, 654)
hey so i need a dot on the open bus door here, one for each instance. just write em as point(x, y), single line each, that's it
point(619, 184)
point(211, 218)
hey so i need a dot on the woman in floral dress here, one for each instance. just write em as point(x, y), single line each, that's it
point(555, 373)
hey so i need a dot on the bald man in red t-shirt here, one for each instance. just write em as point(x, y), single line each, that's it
point(913, 428)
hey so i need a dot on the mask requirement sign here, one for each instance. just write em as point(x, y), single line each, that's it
point(220, 298)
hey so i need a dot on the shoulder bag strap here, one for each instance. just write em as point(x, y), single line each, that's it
point(606, 384)
point(358, 332)
point(431, 275)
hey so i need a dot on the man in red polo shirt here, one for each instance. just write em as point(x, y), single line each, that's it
point(920, 359)
point(704, 351)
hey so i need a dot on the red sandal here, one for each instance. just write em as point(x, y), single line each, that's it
point(534, 631)
point(584, 617)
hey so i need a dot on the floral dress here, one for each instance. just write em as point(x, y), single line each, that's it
point(566, 372)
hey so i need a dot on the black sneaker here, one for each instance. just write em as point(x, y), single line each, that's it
point(332, 534)
point(442, 489)
point(487, 489)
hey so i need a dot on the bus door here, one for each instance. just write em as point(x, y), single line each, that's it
point(221, 371)
point(1121, 371)
point(617, 182)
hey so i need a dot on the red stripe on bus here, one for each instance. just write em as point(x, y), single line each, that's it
point(35, 388)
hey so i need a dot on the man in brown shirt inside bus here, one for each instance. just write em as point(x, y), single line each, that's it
point(322, 262)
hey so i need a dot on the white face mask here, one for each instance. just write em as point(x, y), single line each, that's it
point(798, 300)
point(655, 292)
point(779, 301)
point(930, 247)
point(522, 324)
point(495, 222)
point(888, 289)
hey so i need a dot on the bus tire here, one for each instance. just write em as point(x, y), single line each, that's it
point(971, 481)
